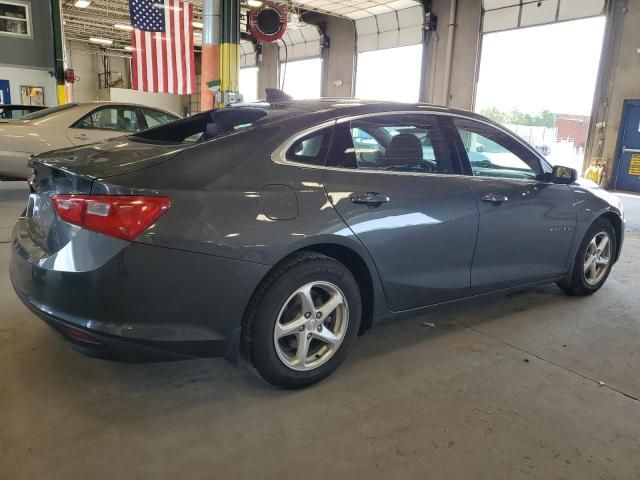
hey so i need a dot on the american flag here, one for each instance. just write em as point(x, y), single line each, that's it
point(162, 58)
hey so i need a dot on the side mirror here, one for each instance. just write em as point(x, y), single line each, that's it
point(563, 175)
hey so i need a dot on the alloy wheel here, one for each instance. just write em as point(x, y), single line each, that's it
point(597, 258)
point(311, 326)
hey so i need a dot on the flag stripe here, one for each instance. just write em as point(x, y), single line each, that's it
point(187, 63)
point(168, 48)
point(163, 58)
point(157, 50)
point(149, 60)
point(165, 68)
point(143, 57)
point(178, 69)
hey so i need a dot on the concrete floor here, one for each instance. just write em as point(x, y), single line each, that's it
point(507, 388)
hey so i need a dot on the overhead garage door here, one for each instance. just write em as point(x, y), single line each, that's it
point(396, 28)
point(247, 54)
point(501, 15)
point(300, 43)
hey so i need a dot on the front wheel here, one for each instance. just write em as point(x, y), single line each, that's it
point(302, 320)
point(593, 261)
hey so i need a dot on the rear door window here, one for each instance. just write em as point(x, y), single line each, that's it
point(311, 149)
point(155, 118)
point(412, 143)
point(121, 118)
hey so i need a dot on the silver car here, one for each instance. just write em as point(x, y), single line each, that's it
point(70, 125)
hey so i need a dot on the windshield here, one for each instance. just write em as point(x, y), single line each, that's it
point(48, 111)
point(206, 126)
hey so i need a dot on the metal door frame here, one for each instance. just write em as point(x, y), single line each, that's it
point(621, 131)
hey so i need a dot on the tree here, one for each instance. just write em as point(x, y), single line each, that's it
point(516, 117)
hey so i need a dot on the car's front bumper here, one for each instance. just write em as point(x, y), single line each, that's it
point(143, 303)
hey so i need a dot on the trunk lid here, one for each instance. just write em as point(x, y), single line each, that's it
point(44, 226)
point(73, 171)
point(108, 158)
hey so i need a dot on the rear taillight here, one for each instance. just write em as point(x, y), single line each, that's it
point(118, 216)
point(80, 335)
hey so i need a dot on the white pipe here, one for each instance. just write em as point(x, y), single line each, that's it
point(449, 56)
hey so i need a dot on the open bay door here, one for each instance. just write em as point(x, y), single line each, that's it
point(300, 61)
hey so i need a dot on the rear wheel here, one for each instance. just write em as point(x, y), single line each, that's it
point(302, 321)
point(593, 261)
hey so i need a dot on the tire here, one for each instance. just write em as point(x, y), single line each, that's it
point(580, 282)
point(280, 317)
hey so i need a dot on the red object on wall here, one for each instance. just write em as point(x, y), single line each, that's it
point(268, 23)
point(69, 75)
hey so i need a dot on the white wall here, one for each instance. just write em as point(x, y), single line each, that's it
point(85, 66)
point(21, 76)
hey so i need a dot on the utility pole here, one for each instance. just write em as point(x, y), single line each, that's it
point(58, 44)
point(230, 48)
point(210, 58)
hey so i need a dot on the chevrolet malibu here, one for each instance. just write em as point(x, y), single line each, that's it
point(280, 231)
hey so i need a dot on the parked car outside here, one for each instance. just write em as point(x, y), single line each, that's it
point(69, 125)
point(9, 112)
point(281, 231)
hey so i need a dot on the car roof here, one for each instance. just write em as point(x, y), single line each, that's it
point(339, 107)
point(100, 103)
point(16, 106)
point(327, 109)
point(74, 111)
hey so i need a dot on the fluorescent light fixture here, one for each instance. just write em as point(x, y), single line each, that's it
point(101, 41)
point(123, 26)
point(82, 3)
point(254, 3)
point(129, 48)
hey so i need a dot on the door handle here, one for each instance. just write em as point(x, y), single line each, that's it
point(370, 199)
point(82, 136)
point(630, 150)
point(495, 198)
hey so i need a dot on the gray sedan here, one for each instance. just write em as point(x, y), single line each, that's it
point(281, 231)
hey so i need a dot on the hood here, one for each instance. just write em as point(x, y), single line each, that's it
point(108, 158)
point(586, 183)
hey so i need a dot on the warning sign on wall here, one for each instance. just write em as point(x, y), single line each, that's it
point(634, 164)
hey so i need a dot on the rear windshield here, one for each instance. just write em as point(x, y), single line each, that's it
point(206, 126)
point(48, 111)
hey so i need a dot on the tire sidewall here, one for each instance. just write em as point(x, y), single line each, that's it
point(264, 355)
point(578, 278)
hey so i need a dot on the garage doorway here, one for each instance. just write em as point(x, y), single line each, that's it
point(398, 81)
point(302, 79)
point(540, 82)
point(248, 81)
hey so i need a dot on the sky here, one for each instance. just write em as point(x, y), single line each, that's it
point(550, 67)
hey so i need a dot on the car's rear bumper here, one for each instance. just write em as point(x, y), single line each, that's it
point(143, 303)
